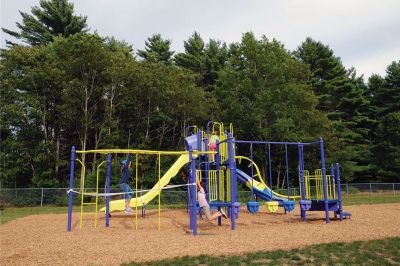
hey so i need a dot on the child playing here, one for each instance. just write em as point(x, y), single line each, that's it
point(201, 196)
point(125, 176)
point(212, 145)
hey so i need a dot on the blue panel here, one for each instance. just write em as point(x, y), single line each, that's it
point(192, 142)
point(319, 205)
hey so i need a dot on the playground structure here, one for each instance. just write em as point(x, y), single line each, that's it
point(220, 170)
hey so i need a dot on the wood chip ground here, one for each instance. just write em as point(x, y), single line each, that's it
point(44, 240)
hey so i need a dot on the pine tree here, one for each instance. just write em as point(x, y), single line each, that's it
point(328, 73)
point(344, 98)
point(265, 91)
point(157, 50)
point(386, 104)
point(206, 60)
point(387, 97)
point(216, 54)
point(53, 18)
point(193, 57)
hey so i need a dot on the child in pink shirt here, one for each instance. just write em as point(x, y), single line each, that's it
point(212, 145)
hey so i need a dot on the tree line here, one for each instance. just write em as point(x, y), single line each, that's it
point(66, 86)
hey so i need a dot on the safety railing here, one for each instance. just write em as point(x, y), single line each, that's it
point(314, 185)
point(23, 197)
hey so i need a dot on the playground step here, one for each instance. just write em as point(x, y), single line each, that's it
point(89, 203)
point(346, 214)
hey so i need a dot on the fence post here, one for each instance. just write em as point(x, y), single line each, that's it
point(370, 188)
point(41, 199)
point(347, 189)
point(394, 192)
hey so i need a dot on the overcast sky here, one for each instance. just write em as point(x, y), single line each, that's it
point(363, 33)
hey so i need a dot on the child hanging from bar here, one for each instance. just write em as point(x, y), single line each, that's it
point(203, 204)
point(125, 176)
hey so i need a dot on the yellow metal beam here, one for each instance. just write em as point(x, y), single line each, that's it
point(149, 152)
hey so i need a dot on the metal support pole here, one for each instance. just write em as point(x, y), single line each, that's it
point(302, 183)
point(207, 167)
point(189, 189)
point(269, 165)
point(333, 180)
point(332, 187)
point(192, 174)
point(187, 197)
point(339, 191)
point(159, 190)
point(287, 172)
point(321, 143)
point(136, 187)
point(108, 189)
point(71, 187)
point(41, 199)
point(217, 159)
point(232, 169)
point(252, 172)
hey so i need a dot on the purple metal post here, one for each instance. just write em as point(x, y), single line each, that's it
point(207, 166)
point(108, 189)
point(339, 191)
point(187, 197)
point(321, 143)
point(301, 166)
point(217, 168)
point(332, 174)
point(199, 148)
point(217, 158)
point(208, 126)
point(232, 169)
point(287, 172)
point(199, 158)
point(269, 165)
point(193, 215)
point(302, 183)
point(333, 183)
point(189, 188)
point(71, 187)
point(252, 172)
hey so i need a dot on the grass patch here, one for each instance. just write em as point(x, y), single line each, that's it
point(9, 214)
point(374, 252)
point(358, 199)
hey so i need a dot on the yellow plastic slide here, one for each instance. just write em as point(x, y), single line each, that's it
point(119, 205)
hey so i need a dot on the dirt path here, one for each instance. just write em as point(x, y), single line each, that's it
point(43, 240)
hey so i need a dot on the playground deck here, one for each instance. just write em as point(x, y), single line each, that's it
point(43, 239)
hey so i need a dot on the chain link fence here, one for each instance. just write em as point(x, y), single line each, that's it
point(20, 197)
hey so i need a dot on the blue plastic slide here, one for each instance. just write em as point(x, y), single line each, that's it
point(263, 192)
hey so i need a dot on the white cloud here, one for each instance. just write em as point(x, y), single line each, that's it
point(375, 63)
point(364, 33)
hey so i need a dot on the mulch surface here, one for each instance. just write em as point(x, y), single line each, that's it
point(44, 240)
